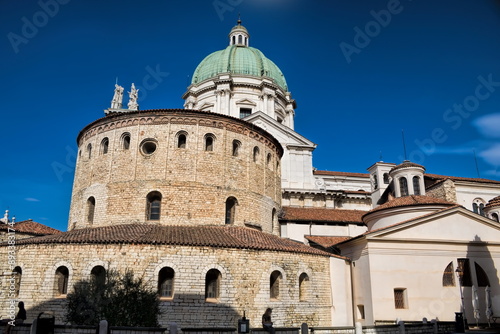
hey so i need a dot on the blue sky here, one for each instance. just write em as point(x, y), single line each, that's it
point(360, 71)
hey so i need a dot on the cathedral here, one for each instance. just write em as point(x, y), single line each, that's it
point(218, 207)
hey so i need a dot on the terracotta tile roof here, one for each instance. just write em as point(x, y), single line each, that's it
point(330, 173)
point(493, 202)
point(411, 200)
point(322, 214)
point(31, 227)
point(325, 241)
point(456, 178)
point(407, 164)
point(201, 236)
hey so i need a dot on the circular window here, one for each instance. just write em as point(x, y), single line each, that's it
point(148, 146)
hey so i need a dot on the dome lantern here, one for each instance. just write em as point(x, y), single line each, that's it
point(239, 35)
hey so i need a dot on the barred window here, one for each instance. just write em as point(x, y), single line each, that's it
point(449, 275)
point(153, 207)
point(212, 284)
point(400, 298)
point(166, 282)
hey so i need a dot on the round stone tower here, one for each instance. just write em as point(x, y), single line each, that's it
point(176, 167)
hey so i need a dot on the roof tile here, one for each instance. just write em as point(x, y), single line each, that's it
point(323, 214)
point(31, 227)
point(209, 236)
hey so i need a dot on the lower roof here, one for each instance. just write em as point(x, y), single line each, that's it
point(198, 236)
point(322, 215)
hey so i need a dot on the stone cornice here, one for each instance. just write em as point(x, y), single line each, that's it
point(179, 116)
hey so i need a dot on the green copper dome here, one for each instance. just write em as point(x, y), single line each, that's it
point(238, 59)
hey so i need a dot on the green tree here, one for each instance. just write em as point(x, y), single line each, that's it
point(121, 299)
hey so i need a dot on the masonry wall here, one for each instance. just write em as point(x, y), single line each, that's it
point(244, 285)
point(194, 182)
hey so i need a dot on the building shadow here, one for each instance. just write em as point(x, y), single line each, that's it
point(186, 310)
point(482, 272)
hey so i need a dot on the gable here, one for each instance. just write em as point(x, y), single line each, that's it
point(285, 135)
point(457, 224)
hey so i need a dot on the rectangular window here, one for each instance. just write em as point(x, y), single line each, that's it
point(244, 112)
point(400, 298)
point(361, 312)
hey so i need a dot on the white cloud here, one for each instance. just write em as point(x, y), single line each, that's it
point(491, 155)
point(31, 199)
point(488, 125)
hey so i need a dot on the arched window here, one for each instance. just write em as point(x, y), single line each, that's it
point(98, 275)
point(236, 147)
point(153, 206)
point(256, 153)
point(375, 181)
point(104, 146)
point(274, 285)
point(482, 277)
point(268, 160)
point(166, 282)
point(449, 275)
point(386, 178)
point(403, 186)
point(61, 281)
point(303, 286)
point(18, 273)
point(231, 203)
point(89, 150)
point(478, 206)
point(475, 208)
point(90, 209)
point(494, 216)
point(234, 39)
point(416, 185)
point(125, 141)
point(212, 284)
point(240, 39)
point(181, 140)
point(209, 143)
